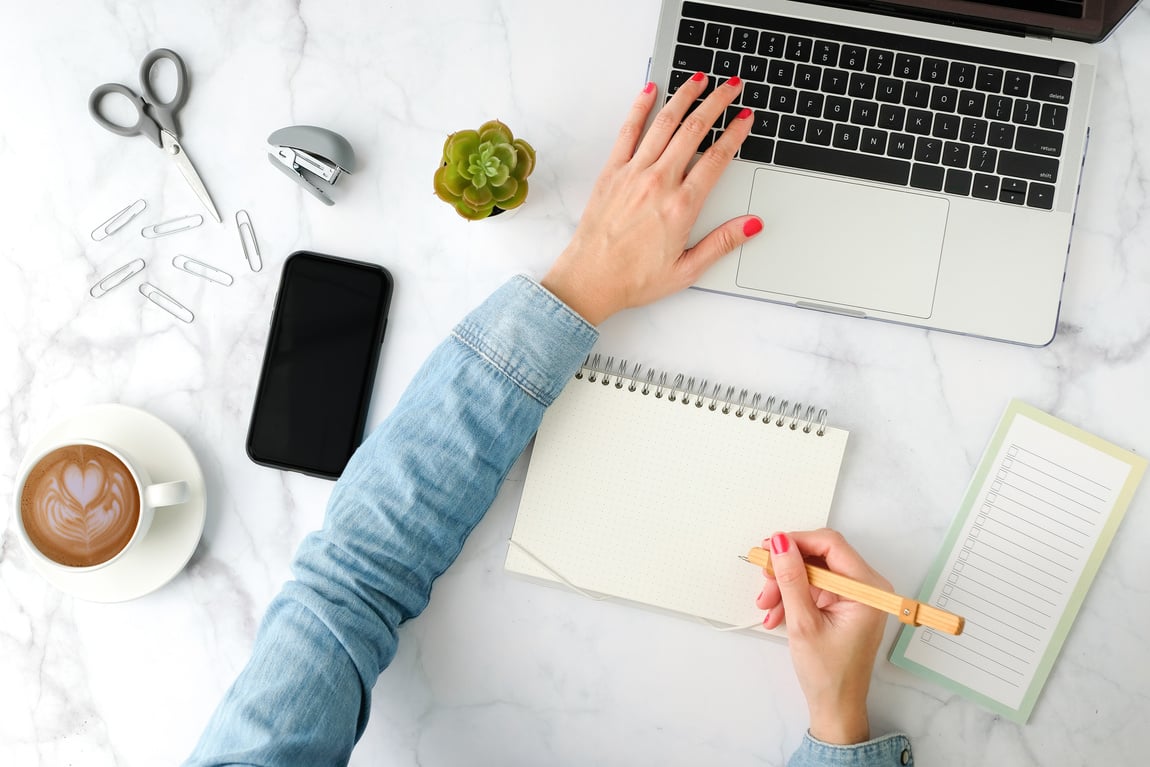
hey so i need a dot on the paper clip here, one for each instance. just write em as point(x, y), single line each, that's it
point(116, 222)
point(252, 251)
point(200, 269)
point(117, 278)
point(174, 226)
point(166, 302)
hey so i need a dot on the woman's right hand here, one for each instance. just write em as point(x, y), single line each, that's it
point(833, 640)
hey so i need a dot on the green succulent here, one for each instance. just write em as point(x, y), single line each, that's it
point(484, 169)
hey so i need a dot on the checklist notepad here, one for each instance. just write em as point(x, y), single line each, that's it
point(1018, 559)
point(648, 487)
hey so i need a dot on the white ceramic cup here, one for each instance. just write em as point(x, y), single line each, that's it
point(151, 496)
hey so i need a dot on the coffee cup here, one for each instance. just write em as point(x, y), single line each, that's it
point(82, 504)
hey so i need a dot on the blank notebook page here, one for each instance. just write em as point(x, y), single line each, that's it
point(641, 498)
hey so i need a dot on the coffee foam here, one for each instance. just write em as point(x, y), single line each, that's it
point(80, 505)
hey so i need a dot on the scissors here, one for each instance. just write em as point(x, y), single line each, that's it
point(156, 119)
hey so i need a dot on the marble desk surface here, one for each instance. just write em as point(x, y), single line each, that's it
point(497, 671)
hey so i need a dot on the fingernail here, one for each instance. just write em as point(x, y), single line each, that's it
point(648, 87)
point(734, 82)
point(780, 544)
point(751, 227)
point(760, 596)
point(744, 114)
point(698, 77)
point(766, 617)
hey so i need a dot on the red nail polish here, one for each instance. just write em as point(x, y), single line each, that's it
point(766, 617)
point(780, 544)
point(744, 114)
point(760, 596)
point(752, 227)
point(734, 81)
point(698, 77)
point(648, 87)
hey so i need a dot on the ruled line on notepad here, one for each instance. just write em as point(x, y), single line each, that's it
point(1063, 468)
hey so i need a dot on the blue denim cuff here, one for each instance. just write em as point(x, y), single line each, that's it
point(887, 751)
point(529, 335)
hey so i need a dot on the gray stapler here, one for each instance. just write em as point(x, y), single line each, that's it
point(313, 157)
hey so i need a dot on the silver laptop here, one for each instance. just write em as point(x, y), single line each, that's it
point(915, 162)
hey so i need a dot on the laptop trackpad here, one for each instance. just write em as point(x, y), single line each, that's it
point(827, 241)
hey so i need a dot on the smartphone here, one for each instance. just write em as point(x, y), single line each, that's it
point(319, 367)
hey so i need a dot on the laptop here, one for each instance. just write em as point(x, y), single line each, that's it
point(914, 162)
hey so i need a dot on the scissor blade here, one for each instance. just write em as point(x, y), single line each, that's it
point(184, 163)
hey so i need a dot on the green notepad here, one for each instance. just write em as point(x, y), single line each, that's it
point(1019, 557)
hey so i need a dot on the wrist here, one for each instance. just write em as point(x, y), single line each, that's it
point(841, 726)
point(579, 296)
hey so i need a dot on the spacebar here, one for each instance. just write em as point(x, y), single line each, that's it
point(851, 164)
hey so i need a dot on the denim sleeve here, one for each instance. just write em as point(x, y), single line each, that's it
point(396, 520)
point(887, 751)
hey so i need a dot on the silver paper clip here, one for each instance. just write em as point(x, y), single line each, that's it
point(117, 278)
point(174, 226)
point(252, 250)
point(166, 302)
point(116, 222)
point(200, 269)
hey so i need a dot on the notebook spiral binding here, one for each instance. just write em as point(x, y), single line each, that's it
point(774, 411)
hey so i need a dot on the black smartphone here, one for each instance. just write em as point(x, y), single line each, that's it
point(319, 367)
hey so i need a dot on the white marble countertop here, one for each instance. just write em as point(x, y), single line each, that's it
point(497, 670)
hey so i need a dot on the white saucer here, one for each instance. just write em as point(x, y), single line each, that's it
point(175, 530)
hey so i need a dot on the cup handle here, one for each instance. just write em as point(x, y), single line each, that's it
point(166, 493)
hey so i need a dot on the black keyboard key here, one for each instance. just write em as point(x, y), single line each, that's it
point(807, 77)
point(781, 72)
point(985, 187)
point(745, 40)
point(958, 182)
point(853, 57)
point(1012, 191)
point(852, 164)
point(730, 114)
point(799, 48)
point(847, 136)
point(1050, 89)
point(726, 64)
point(891, 117)
point(755, 95)
point(999, 107)
point(927, 150)
point(819, 132)
point(835, 81)
point(983, 159)
point(707, 140)
point(677, 79)
point(1040, 196)
point(1039, 141)
point(757, 149)
point(718, 36)
point(900, 145)
point(946, 126)
point(1016, 84)
point(766, 123)
point(973, 131)
point(888, 90)
point(880, 62)
point(1053, 117)
point(862, 86)
point(927, 177)
point(810, 104)
point(792, 127)
point(692, 59)
point(753, 69)
point(971, 103)
point(825, 53)
point(934, 71)
point(1001, 135)
point(943, 99)
point(919, 121)
point(864, 113)
point(989, 79)
point(1025, 112)
point(962, 75)
point(1028, 166)
point(782, 100)
point(907, 66)
point(838, 108)
point(691, 31)
point(955, 155)
point(873, 141)
point(916, 94)
point(772, 44)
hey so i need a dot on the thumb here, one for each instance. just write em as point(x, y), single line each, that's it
point(719, 242)
point(791, 575)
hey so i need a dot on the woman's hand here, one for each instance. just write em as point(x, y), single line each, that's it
point(833, 640)
point(631, 245)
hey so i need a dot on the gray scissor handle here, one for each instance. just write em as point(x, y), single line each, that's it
point(144, 124)
point(164, 112)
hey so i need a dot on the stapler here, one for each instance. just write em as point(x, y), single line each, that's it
point(313, 157)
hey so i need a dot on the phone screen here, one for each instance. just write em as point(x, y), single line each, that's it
point(319, 367)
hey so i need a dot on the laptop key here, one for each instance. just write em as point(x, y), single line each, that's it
point(847, 136)
point(677, 79)
point(989, 79)
point(766, 123)
point(916, 94)
point(838, 108)
point(835, 81)
point(962, 75)
point(757, 149)
point(792, 127)
point(985, 187)
point(1025, 112)
point(927, 177)
point(946, 126)
point(1012, 191)
point(799, 48)
point(718, 36)
point(873, 141)
point(1039, 141)
point(934, 71)
point(880, 62)
point(955, 155)
point(958, 182)
point(726, 64)
point(927, 149)
point(853, 57)
point(1040, 196)
point(782, 99)
point(819, 132)
point(810, 104)
point(864, 113)
point(772, 44)
point(973, 131)
point(943, 99)
point(807, 77)
point(1001, 135)
point(1053, 116)
point(907, 66)
point(852, 164)
point(781, 72)
point(971, 103)
point(745, 40)
point(692, 59)
point(753, 69)
point(900, 145)
point(691, 31)
point(755, 95)
point(891, 117)
point(1016, 84)
point(983, 159)
point(862, 86)
point(999, 107)
point(919, 121)
point(1028, 166)
point(825, 53)
point(889, 90)
point(1050, 89)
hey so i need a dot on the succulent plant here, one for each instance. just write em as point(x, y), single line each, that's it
point(484, 170)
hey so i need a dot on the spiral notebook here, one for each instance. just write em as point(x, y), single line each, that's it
point(647, 487)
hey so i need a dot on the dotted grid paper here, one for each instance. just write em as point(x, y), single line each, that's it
point(641, 498)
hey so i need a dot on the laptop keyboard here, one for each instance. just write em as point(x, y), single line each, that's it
point(925, 114)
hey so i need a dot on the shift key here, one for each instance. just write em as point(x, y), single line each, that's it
point(1028, 166)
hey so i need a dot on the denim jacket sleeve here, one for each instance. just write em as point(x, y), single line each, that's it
point(887, 751)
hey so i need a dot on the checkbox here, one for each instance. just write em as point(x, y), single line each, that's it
point(962, 555)
point(927, 636)
point(1002, 475)
point(942, 601)
point(997, 486)
point(991, 498)
point(980, 521)
point(948, 590)
point(974, 531)
point(1013, 451)
point(969, 543)
point(1007, 462)
point(953, 577)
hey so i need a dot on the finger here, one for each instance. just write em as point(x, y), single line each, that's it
point(668, 119)
point(685, 143)
point(791, 576)
point(632, 129)
point(701, 179)
point(840, 556)
point(718, 243)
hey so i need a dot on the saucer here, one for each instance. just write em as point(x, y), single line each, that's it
point(175, 531)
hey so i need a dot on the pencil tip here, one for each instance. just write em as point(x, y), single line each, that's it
point(744, 558)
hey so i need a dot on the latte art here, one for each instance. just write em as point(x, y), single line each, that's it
point(80, 505)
